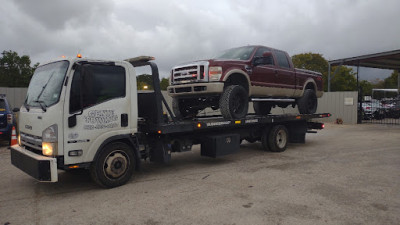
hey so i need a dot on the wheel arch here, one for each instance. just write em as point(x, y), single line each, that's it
point(124, 138)
point(238, 77)
point(309, 84)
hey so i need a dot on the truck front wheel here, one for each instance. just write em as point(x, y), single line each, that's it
point(114, 165)
point(234, 102)
point(308, 103)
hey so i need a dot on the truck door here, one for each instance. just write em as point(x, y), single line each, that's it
point(99, 101)
point(286, 76)
point(264, 71)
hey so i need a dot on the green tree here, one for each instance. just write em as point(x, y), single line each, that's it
point(366, 87)
point(15, 70)
point(313, 61)
point(344, 79)
point(391, 81)
point(164, 84)
point(144, 80)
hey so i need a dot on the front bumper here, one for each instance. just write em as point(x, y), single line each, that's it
point(39, 167)
point(195, 89)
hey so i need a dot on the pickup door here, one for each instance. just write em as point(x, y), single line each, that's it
point(277, 73)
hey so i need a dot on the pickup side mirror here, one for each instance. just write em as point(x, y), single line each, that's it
point(15, 110)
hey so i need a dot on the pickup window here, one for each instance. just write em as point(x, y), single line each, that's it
point(282, 59)
point(102, 84)
point(265, 60)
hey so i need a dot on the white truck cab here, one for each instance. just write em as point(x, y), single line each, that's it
point(73, 106)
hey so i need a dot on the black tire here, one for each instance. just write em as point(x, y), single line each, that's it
point(234, 102)
point(181, 110)
point(262, 108)
point(278, 138)
point(308, 103)
point(114, 165)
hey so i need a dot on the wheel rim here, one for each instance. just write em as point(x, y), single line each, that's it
point(116, 164)
point(238, 103)
point(281, 139)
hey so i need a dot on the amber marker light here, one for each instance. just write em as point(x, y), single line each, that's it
point(79, 55)
point(298, 117)
point(74, 167)
point(159, 132)
point(198, 125)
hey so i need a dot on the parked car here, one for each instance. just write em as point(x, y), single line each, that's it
point(7, 118)
point(369, 108)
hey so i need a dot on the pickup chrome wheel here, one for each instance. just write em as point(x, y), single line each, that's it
point(308, 103)
point(234, 102)
point(114, 165)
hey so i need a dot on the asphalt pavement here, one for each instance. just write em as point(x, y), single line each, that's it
point(345, 174)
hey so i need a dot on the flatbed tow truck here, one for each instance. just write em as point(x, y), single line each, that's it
point(88, 114)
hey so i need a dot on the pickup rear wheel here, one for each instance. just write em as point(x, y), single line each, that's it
point(114, 165)
point(262, 108)
point(234, 102)
point(308, 103)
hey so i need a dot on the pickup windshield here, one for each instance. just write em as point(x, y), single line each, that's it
point(46, 83)
point(241, 53)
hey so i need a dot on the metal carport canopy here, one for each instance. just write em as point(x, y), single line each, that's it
point(384, 60)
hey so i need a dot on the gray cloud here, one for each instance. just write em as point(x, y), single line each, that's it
point(178, 31)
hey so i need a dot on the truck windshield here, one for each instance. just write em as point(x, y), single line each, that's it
point(46, 83)
point(241, 53)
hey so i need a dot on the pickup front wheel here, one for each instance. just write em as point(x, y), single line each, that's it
point(308, 103)
point(234, 102)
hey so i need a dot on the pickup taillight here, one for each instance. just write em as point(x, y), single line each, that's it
point(9, 118)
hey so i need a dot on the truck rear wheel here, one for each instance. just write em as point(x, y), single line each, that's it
point(114, 165)
point(308, 103)
point(262, 108)
point(278, 138)
point(234, 102)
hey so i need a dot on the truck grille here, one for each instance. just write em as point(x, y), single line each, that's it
point(31, 141)
point(190, 73)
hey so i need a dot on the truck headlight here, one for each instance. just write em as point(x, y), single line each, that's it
point(50, 141)
point(214, 73)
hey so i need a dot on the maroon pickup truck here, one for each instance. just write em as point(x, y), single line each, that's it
point(228, 82)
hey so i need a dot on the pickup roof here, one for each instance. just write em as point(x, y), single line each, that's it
point(229, 81)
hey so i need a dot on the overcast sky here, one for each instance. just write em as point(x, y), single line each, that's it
point(176, 31)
